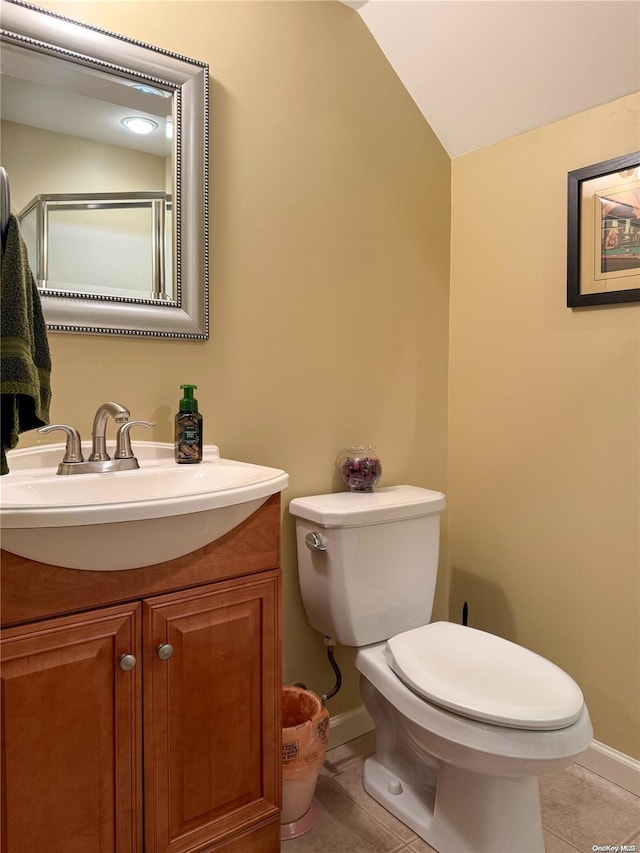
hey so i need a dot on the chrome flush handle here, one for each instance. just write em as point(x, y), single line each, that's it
point(315, 542)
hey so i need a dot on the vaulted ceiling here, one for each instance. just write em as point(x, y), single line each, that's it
point(483, 70)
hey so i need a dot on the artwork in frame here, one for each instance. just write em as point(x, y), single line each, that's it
point(603, 241)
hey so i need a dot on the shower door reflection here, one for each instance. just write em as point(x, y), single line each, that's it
point(108, 246)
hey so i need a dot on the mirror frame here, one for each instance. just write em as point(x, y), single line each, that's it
point(188, 316)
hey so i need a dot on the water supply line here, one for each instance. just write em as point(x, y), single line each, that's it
point(330, 643)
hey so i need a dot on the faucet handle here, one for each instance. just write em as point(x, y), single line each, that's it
point(123, 439)
point(73, 450)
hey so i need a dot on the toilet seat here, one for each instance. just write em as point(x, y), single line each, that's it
point(484, 677)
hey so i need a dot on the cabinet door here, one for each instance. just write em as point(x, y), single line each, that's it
point(71, 735)
point(212, 721)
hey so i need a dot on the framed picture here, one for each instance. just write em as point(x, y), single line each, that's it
point(603, 240)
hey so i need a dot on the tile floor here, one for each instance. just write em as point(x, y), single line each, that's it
point(579, 811)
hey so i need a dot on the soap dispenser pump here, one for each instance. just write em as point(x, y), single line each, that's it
point(188, 444)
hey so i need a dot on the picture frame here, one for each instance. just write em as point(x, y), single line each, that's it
point(603, 233)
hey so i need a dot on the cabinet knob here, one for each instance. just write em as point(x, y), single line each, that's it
point(164, 650)
point(127, 662)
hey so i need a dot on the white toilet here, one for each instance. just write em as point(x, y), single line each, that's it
point(465, 721)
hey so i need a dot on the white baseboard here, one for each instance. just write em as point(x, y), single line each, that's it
point(613, 766)
point(350, 725)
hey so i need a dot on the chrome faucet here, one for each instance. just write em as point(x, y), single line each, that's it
point(99, 432)
point(99, 461)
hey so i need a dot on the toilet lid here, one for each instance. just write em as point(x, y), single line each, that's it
point(484, 677)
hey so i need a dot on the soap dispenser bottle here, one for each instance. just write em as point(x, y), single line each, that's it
point(188, 446)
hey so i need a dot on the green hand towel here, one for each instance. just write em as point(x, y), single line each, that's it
point(25, 363)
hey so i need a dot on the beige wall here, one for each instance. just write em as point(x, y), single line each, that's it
point(544, 462)
point(330, 227)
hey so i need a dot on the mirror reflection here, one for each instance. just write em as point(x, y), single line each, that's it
point(115, 244)
point(108, 173)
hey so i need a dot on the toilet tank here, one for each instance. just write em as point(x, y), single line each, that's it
point(368, 561)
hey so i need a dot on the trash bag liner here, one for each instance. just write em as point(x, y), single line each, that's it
point(305, 734)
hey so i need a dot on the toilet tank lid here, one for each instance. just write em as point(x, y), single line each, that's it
point(355, 509)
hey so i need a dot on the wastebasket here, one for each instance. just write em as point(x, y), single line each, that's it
point(305, 733)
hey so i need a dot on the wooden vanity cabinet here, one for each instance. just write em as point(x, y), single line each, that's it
point(71, 735)
point(209, 711)
point(177, 753)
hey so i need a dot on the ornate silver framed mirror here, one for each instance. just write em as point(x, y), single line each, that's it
point(116, 222)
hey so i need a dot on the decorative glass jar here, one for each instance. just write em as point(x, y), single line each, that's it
point(360, 468)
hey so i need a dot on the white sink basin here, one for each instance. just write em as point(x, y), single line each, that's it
point(126, 519)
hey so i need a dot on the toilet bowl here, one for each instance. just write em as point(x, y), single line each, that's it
point(465, 720)
point(463, 785)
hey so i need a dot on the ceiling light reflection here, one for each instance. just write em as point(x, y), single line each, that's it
point(138, 124)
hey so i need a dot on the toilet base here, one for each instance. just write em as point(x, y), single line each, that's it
point(469, 813)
